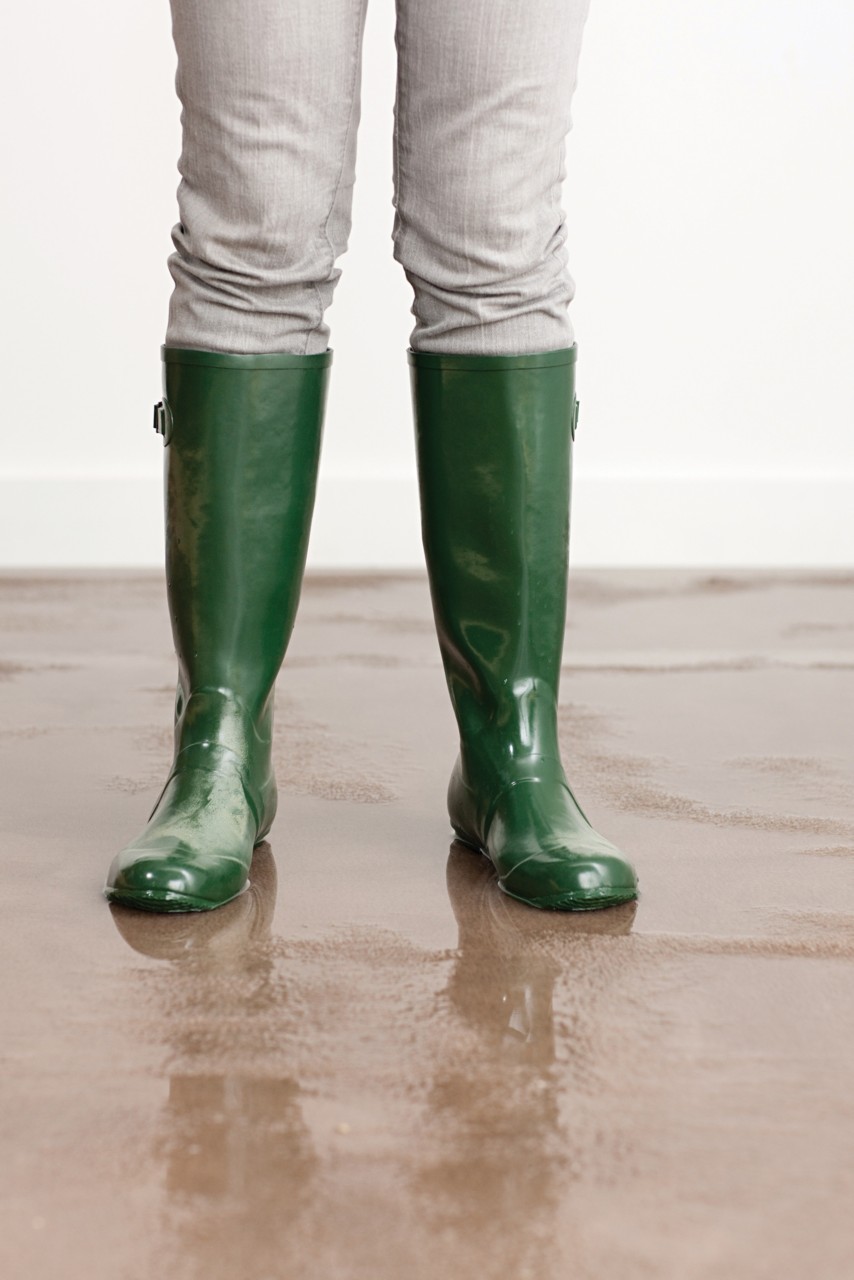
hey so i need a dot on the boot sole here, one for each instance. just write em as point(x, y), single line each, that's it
point(597, 900)
point(163, 901)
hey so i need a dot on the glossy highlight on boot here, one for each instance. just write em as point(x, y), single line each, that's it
point(242, 451)
point(494, 437)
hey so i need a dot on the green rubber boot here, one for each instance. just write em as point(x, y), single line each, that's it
point(494, 445)
point(243, 437)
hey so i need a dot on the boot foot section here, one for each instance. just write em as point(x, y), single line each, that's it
point(580, 899)
point(545, 852)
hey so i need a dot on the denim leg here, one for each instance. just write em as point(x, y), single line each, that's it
point(481, 114)
point(270, 97)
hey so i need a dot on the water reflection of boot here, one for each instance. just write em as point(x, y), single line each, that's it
point(501, 988)
point(508, 960)
point(237, 1160)
point(503, 1157)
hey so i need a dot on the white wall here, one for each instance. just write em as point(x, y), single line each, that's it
point(711, 204)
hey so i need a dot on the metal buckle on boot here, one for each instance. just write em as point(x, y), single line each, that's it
point(163, 421)
point(574, 423)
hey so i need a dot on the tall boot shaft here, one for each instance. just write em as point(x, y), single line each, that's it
point(494, 447)
point(243, 437)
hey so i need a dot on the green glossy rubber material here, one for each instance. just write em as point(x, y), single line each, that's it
point(494, 449)
point(241, 469)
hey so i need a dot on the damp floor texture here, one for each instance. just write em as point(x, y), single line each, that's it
point(374, 1064)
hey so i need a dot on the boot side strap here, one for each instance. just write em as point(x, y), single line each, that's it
point(163, 420)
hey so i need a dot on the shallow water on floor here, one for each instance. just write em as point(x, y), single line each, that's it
point(375, 1064)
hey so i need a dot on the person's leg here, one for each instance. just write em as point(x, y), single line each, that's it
point(481, 116)
point(270, 93)
point(270, 97)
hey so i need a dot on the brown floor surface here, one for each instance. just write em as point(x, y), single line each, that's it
point(374, 1064)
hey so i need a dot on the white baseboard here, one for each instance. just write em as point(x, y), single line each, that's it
point(372, 521)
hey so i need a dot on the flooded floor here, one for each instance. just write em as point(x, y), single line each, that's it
point(374, 1064)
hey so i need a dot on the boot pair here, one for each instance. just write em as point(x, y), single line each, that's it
point(494, 445)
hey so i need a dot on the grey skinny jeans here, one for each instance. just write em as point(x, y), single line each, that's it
point(270, 93)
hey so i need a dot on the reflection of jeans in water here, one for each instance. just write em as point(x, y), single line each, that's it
point(270, 91)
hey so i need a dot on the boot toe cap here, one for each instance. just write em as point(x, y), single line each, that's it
point(159, 882)
point(573, 882)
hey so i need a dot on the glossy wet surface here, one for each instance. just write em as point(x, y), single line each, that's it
point(374, 1064)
